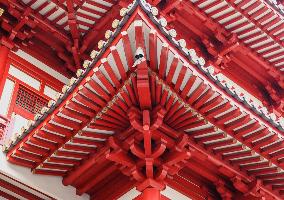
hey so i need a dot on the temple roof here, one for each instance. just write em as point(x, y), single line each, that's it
point(229, 88)
point(242, 39)
point(217, 117)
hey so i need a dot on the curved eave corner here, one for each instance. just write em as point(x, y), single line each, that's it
point(207, 72)
point(190, 54)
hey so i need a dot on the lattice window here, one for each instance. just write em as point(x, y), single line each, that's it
point(29, 100)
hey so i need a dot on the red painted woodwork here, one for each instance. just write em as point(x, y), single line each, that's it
point(160, 120)
point(35, 99)
point(17, 188)
point(233, 62)
point(220, 45)
point(149, 193)
point(35, 72)
point(4, 52)
point(64, 40)
point(28, 68)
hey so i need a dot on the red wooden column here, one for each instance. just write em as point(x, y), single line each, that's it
point(149, 194)
point(4, 52)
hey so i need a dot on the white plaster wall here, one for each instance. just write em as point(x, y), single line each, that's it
point(48, 91)
point(47, 184)
point(22, 76)
point(6, 97)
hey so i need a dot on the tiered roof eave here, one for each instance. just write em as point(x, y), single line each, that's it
point(230, 93)
point(262, 113)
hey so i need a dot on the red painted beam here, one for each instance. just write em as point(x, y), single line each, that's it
point(192, 9)
point(7, 196)
point(150, 194)
point(106, 191)
point(90, 184)
point(98, 26)
point(49, 172)
point(4, 52)
point(17, 190)
point(73, 25)
point(94, 158)
point(43, 23)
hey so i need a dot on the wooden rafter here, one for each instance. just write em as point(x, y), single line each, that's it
point(190, 116)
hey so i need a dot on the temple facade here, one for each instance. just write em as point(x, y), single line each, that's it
point(143, 100)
